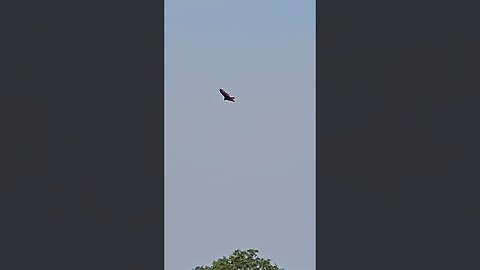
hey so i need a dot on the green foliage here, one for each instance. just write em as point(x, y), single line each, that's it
point(241, 260)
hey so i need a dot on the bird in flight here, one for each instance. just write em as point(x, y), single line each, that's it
point(226, 96)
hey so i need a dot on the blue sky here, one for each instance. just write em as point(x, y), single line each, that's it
point(239, 175)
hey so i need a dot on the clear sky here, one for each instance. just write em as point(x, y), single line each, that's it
point(240, 175)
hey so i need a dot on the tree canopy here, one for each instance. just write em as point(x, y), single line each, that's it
point(241, 260)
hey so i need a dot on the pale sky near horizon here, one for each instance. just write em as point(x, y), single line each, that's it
point(240, 175)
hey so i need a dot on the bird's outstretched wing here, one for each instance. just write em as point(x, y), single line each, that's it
point(225, 94)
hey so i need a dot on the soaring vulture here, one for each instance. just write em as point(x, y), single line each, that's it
point(226, 96)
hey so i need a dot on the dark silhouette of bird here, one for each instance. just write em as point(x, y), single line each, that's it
point(226, 96)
